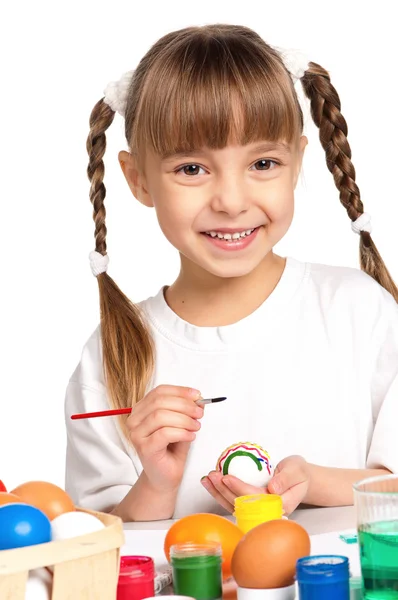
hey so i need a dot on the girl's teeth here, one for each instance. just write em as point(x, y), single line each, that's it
point(230, 236)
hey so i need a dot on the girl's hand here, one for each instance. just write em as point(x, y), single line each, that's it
point(162, 426)
point(290, 480)
point(225, 488)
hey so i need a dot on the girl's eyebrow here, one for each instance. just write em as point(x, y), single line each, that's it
point(270, 146)
point(263, 147)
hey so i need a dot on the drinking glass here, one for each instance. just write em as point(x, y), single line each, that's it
point(376, 503)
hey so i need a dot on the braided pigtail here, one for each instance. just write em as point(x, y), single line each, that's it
point(325, 111)
point(126, 342)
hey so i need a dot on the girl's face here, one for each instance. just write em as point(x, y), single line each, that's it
point(200, 198)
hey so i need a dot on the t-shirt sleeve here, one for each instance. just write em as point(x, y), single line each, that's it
point(383, 451)
point(99, 470)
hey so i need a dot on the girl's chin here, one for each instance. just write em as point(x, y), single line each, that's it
point(223, 270)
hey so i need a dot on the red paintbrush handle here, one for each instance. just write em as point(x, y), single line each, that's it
point(126, 411)
point(103, 413)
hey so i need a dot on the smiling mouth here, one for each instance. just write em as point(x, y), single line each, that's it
point(230, 237)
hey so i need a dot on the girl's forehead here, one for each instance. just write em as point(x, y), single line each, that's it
point(234, 146)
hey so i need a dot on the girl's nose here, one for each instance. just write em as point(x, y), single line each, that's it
point(230, 197)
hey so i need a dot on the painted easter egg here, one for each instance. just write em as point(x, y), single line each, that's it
point(48, 497)
point(73, 524)
point(39, 585)
point(6, 498)
point(23, 525)
point(248, 462)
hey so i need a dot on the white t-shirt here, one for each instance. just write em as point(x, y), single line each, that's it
point(313, 371)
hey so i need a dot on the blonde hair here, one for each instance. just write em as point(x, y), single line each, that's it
point(181, 98)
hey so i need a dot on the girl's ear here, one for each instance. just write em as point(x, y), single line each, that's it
point(300, 154)
point(135, 178)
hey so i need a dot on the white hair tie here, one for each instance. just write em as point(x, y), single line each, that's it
point(98, 262)
point(116, 92)
point(295, 61)
point(362, 223)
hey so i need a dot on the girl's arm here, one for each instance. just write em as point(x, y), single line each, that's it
point(333, 487)
point(142, 503)
point(300, 482)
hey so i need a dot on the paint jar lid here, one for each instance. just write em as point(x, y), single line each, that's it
point(259, 505)
point(136, 566)
point(136, 578)
point(188, 550)
point(322, 569)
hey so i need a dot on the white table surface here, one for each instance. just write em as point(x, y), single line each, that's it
point(314, 520)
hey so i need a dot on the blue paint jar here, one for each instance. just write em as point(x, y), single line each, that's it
point(325, 577)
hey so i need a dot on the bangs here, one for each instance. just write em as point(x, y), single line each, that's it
point(202, 94)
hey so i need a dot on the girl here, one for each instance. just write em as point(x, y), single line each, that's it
point(307, 354)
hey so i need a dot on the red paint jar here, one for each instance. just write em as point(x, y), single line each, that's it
point(136, 578)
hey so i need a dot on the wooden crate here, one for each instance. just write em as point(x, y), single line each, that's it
point(85, 567)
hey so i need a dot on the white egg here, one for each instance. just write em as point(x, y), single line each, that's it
point(72, 524)
point(248, 462)
point(246, 470)
point(39, 585)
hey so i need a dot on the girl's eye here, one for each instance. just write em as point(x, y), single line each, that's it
point(191, 169)
point(264, 164)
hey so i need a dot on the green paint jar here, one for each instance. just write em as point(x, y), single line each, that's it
point(197, 570)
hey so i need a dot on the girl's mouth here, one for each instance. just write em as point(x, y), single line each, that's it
point(231, 241)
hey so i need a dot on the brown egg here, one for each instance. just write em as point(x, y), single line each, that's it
point(266, 556)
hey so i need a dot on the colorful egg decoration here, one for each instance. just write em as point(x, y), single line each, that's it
point(248, 462)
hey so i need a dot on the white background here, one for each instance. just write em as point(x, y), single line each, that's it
point(56, 60)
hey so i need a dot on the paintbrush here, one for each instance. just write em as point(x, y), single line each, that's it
point(126, 411)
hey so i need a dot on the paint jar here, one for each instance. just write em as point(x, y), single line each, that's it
point(255, 509)
point(136, 578)
point(323, 577)
point(197, 570)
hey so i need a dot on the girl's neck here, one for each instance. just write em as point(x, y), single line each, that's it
point(207, 301)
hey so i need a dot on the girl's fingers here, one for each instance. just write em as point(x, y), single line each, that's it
point(216, 479)
point(294, 496)
point(240, 488)
point(157, 403)
point(159, 440)
point(208, 485)
point(285, 479)
point(164, 419)
point(165, 391)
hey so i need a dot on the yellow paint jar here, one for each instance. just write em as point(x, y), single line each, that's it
point(255, 509)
